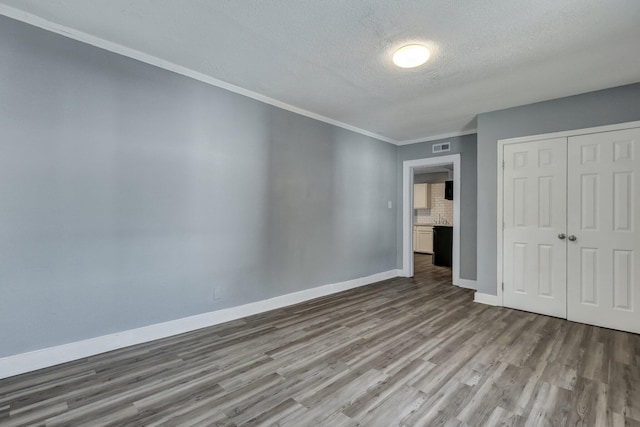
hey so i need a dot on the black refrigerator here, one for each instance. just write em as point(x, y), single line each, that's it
point(442, 245)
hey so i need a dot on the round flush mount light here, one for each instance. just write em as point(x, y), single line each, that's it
point(411, 56)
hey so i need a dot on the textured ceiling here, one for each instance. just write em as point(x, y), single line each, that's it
point(332, 57)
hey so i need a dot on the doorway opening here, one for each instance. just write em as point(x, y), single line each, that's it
point(410, 218)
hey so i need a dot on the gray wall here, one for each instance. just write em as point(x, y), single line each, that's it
point(616, 105)
point(130, 195)
point(430, 178)
point(466, 146)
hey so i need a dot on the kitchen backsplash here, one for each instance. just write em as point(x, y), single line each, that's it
point(439, 206)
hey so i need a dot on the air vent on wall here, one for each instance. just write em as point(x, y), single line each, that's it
point(441, 148)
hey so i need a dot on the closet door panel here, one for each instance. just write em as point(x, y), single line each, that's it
point(534, 213)
point(603, 214)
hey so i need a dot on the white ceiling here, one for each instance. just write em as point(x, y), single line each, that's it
point(332, 57)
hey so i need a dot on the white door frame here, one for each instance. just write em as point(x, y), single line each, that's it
point(407, 214)
point(501, 144)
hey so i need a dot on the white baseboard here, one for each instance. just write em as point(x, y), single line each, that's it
point(487, 299)
point(466, 283)
point(404, 273)
point(33, 360)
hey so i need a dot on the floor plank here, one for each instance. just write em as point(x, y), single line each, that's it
point(403, 352)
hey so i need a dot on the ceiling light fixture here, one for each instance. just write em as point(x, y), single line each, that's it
point(411, 56)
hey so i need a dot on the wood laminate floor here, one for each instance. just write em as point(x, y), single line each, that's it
point(414, 352)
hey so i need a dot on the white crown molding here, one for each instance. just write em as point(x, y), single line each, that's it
point(170, 66)
point(33, 360)
point(436, 137)
point(119, 49)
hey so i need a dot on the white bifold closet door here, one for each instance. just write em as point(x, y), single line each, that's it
point(534, 258)
point(603, 212)
point(571, 212)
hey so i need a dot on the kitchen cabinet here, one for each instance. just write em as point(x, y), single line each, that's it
point(421, 196)
point(423, 239)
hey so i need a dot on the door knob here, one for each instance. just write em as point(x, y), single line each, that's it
point(561, 236)
point(572, 238)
